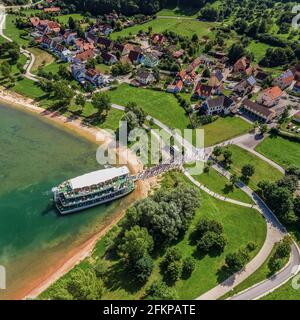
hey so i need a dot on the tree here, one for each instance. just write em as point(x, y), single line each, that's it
point(172, 254)
point(263, 129)
point(234, 179)
point(80, 100)
point(237, 261)
point(248, 171)
point(206, 225)
point(160, 291)
point(227, 154)
point(101, 102)
point(5, 69)
point(206, 73)
point(236, 51)
point(297, 206)
point(143, 268)
point(174, 271)
point(84, 285)
point(217, 151)
point(63, 71)
point(188, 267)
point(211, 241)
point(14, 55)
point(63, 92)
point(136, 244)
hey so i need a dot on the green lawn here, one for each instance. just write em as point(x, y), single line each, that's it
point(28, 88)
point(180, 26)
point(179, 12)
point(281, 150)
point(13, 32)
point(263, 171)
point(103, 68)
point(224, 128)
point(258, 49)
point(65, 18)
point(241, 225)
point(157, 104)
point(112, 120)
point(219, 184)
point(42, 58)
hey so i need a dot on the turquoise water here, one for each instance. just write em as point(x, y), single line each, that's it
point(34, 157)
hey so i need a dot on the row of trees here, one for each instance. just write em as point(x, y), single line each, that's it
point(281, 196)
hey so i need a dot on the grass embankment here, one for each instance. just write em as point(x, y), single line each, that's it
point(281, 150)
point(263, 170)
point(217, 183)
point(241, 225)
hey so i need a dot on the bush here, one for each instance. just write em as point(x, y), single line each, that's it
point(211, 241)
point(251, 246)
point(100, 268)
point(160, 291)
point(188, 267)
point(173, 271)
point(143, 269)
point(237, 261)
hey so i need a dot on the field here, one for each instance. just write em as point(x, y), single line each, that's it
point(65, 18)
point(159, 105)
point(112, 121)
point(283, 151)
point(224, 129)
point(178, 12)
point(28, 88)
point(42, 58)
point(258, 49)
point(263, 170)
point(241, 225)
point(184, 27)
point(219, 184)
point(12, 32)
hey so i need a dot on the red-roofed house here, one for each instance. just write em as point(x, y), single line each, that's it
point(270, 96)
point(284, 80)
point(158, 38)
point(243, 66)
point(175, 88)
point(296, 117)
point(202, 91)
point(84, 56)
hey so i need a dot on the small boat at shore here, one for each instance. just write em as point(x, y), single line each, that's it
point(93, 189)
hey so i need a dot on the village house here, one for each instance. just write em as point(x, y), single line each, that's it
point(243, 66)
point(135, 57)
point(215, 79)
point(296, 117)
point(91, 37)
point(245, 86)
point(158, 39)
point(144, 76)
point(78, 72)
point(105, 43)
point(45, 26)
point(260, 75)
point(84, 56)
point(83, 45)
point(109, 58)
point(296, 87)
point(178, 54)
point(46, 42)
point(206, 61)
point(296, 72)
point(95, 78)
point(69, 36)
point(270, 97)
point(150, 60)
point(202, 91)
point(285, 80)
point(218, 105)
point(195, 64)
point(122, 49)
point(176, 87)
point(257, 111)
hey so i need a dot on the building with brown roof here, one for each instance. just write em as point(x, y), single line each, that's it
point(257, 111)
point(270, 97)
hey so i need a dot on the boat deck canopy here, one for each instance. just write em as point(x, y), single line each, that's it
point(96, 177)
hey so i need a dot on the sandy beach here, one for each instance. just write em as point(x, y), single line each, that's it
point(76, 255)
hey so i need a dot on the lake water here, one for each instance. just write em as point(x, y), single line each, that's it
point(34, 157)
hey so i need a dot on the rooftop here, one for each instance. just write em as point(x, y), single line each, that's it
point(96, 177)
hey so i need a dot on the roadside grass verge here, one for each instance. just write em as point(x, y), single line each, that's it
point(263, 170)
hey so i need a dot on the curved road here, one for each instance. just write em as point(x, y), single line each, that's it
point(30, 57)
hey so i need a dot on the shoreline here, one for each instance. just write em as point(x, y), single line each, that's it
point(15, 100)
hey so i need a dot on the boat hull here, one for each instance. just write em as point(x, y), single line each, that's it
point(88, 206)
